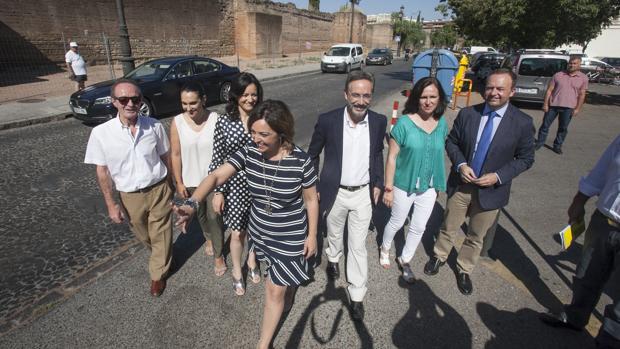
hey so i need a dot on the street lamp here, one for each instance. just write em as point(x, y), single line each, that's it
point(400, 17)
point(126, 59)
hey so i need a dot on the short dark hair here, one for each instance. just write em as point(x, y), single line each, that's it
point(506, 71)
point(237, 88)
point(278, 116)
point(413, 102)
point(359, 75)
point(574, 57)
point(123, 81)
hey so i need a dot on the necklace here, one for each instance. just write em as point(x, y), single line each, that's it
point(268, 193)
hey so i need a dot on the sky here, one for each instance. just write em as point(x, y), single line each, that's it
point(373, 7)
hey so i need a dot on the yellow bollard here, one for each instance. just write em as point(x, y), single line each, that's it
point(460, 74)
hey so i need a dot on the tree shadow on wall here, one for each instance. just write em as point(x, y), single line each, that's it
point(20, 61)
point(429, 322)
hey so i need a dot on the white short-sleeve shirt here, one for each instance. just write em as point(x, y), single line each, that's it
point(77, 62)
point(134, 162)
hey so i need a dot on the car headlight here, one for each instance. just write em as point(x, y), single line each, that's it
point(103, 100)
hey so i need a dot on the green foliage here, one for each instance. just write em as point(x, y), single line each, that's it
point(446, 36)
point(443, 9)
point(347, 7)
point(533, 23)
point(314, 5)
point(411, 33)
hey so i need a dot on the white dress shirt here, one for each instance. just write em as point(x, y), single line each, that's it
point(133, 161)
point(604, 181)
point(355, 152)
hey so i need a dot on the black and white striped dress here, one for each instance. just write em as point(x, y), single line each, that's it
point(278, 238)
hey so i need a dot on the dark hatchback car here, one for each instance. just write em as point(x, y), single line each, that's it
point(380, 56)
point(487, 63)
point(160, 81)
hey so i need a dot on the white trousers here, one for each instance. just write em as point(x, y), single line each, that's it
point(423, 207)
point(355, 209)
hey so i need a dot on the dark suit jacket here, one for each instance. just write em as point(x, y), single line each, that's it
point(511, 151)
point(328, 134)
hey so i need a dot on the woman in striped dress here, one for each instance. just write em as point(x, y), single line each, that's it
point(415, 170)
point(282, 180)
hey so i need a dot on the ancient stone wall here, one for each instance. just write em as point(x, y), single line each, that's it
point(380, 35)
point(342, 27)
point(38, 31)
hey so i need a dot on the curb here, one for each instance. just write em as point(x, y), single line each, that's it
point(66, 115)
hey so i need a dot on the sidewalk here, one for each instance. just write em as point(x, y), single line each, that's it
point(41, 109)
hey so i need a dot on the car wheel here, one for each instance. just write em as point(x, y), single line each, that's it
point(146, 109)
point(225, 92)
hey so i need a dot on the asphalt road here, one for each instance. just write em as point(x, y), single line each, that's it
point(55, 226)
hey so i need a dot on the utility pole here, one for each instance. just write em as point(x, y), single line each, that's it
point(400, 16)
point(352, 17)
point(126, 59)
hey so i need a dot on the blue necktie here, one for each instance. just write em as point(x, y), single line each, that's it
point(483, 145)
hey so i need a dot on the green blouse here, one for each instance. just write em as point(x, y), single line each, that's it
point(420, 161)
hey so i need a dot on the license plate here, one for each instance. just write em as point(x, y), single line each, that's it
point(531, 91)
point(330, 65)
point(79, 110)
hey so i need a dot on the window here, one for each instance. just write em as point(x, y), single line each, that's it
point(338, 51)
point(541, 66)
point(359, 50)
point(201, 67)
point(180, 70)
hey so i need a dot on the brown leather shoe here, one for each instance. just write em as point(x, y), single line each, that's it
point(157, 287)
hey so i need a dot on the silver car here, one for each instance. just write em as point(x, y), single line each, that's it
point(534, 71)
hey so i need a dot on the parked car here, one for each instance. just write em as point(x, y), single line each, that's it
point(160, 81)
point(476, 56)
point(486, 64)
point(380, 56)
point(613, 61)
point(476, 49)
point(343, 58)
point(534, 70)
point(598, 70)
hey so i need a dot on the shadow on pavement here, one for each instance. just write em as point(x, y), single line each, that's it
point(308, 319)
point(186, 245)
point(602, 99)
point(522, 329)
point(399, 75)
point(429, 322)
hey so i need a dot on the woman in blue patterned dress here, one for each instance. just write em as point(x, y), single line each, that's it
point(232, 199)
point(281, 181)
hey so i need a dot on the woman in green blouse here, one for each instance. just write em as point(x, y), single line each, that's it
point(415, 171)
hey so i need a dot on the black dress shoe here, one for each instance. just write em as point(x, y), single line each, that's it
point(432, 266)
point(537, 146)
point(464, 283)
point(357, 311)
point(557, 150)
point(332, 270)
point(557, 320)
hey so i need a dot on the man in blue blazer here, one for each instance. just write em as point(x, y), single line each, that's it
point(489, 145)
point(351, 181)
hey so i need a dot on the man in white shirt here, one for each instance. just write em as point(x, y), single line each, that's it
point(131, 153)
point(76, 66)
point(601, 254)
point(351, 180)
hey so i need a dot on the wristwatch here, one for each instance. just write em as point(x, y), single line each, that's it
point(191, 203)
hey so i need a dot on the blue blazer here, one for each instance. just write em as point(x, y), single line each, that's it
point(328, 134)
point(511, 151)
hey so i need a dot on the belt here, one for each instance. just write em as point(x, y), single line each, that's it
point(147, 189)
point(613, 223)
point(352, 187)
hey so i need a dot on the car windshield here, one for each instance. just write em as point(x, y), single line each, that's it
point(338, 51)
point(379, 51)
point(149, 71)
point(541, 66)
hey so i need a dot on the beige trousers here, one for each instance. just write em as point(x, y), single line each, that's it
point(150, 218)
point(462, 204)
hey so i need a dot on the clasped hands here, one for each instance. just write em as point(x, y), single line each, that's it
point(468, 176)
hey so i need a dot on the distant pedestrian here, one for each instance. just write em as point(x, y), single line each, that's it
point(351, 181)
point(601, 257)
point(415, 170)
point(489, 145)
point(76, 66)
point(191, 142)
point(565, 96)
point(132, 156)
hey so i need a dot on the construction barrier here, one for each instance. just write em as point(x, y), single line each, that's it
point(457, 93)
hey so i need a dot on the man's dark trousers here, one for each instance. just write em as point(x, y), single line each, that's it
point(565, 115)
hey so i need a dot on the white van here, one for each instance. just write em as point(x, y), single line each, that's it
point(476, 49)
point(343, 58)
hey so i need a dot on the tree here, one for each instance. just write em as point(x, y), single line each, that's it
point(532, 23)
point(411, 33)
point(446, 36)
point(314, 5)
point(443, 9)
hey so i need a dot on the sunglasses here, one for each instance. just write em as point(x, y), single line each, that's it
point(125, 100)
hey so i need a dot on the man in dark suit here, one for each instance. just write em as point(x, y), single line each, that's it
point(351, 180)
point(489, 145)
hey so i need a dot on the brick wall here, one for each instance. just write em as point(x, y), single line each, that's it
point(33, 31)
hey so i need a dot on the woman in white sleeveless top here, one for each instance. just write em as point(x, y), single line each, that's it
point(191, 141)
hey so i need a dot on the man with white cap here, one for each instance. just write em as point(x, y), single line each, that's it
point(76, 66)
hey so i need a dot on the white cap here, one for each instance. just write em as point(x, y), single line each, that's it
point(73, 44)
